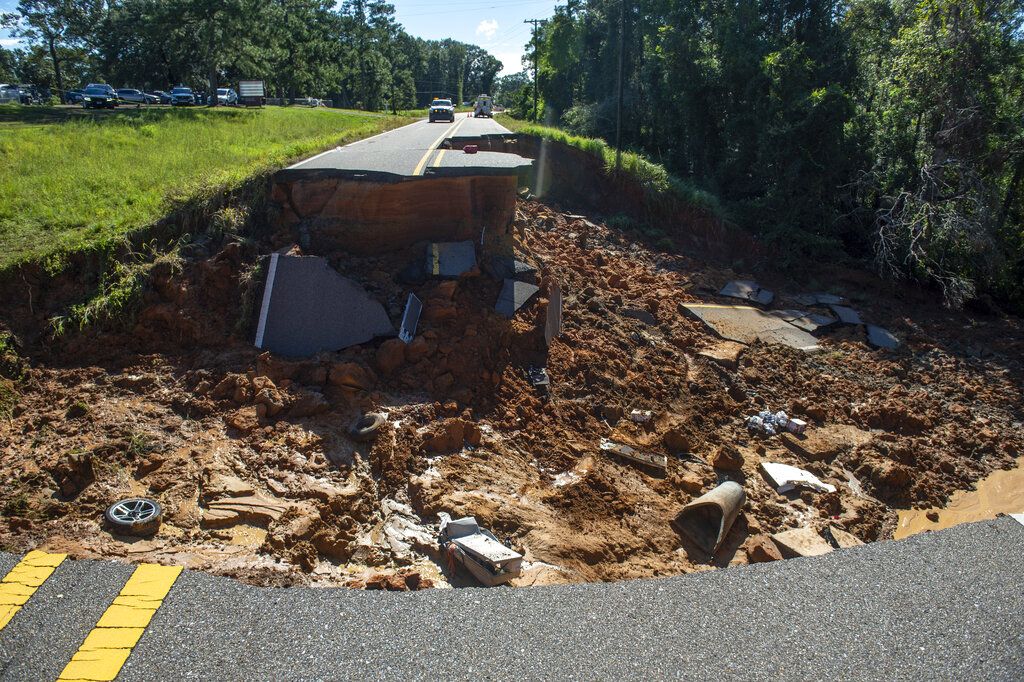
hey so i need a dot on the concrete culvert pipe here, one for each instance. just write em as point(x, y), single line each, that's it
point(366, 427)
point(707, 520)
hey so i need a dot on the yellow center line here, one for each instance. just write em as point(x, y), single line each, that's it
point(449, 132)
point(107, 647)
point(437, 159)
point(24, 579)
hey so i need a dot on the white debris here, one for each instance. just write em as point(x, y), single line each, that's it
point(641, 416)
point(785, 478)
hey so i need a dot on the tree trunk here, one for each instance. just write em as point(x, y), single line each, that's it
point(1011, 193)
point(213, 64)
point(56, 70)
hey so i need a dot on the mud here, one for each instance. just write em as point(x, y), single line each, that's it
point(251, 459)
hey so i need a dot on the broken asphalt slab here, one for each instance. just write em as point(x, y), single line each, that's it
point(514, 295)
point(846, 314)
point(809, 322)
point(450, 259)
point(882, 338)
point(748, 290)
point(744, 324)
point(308, 308)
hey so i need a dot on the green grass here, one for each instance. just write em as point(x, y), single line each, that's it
point(74, 180)
point(653, 177)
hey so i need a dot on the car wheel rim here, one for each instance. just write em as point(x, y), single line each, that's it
point(133, 511)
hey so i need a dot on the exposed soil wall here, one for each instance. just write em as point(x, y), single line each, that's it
point(326, 211)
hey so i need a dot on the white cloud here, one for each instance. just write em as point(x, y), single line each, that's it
point(10, 42)
point(487, 28)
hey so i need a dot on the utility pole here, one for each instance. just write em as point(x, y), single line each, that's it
point(618, 106)
point(536, 56)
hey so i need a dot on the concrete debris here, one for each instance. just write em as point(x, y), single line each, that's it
point(846, 314)
point(514, 295)
point(633, 456)
point(841, 539)
point(506, 267)
point(882, 338)
point(308, 308)
point(640, 416)
point(770, 424)
point(819, 299)
point(801, 542)
point(553, 320)
point(410, 319)
point(784, 478)
point(450, 259)
point(748, 290)
point(707, 520)
point(744, 324)
point(809, 322)
point(726, 353)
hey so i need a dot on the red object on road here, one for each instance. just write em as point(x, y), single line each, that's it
point(471, 149)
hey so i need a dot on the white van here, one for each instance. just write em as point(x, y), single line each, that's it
point(484, 107)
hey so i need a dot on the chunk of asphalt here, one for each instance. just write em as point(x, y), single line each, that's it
point(747, 290)
point(744, 324)
point(506, 267)
point(514, 295)
point(880, 337)
point(308, 308)
point(410, 318)
point(450, 259)
point(809, 322)
point(846, 314)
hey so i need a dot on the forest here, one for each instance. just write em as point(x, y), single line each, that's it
point(886, 132)
point(354, 52)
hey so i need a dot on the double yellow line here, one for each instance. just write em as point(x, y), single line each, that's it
point(449, 132)
point(107, 647)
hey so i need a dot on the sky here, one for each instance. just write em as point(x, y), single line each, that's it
point(495, 26)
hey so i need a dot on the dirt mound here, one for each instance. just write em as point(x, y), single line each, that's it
point(251, 456)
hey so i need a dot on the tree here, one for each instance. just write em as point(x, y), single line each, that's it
point(57, 25)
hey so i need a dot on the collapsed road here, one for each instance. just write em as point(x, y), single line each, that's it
point(560, 380)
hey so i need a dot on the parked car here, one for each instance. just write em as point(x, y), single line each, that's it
point(131, 96)
point(9, 94)
point(73, 96)
point(103, 86)
point(99, 97)
point(442, 109)
point(227, 96)
point(182, 97)
point(162, 97)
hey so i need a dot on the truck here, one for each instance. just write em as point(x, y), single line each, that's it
point(484, 107)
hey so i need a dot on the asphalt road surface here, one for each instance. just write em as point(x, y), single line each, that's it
point(414, 150)
point(940, 606)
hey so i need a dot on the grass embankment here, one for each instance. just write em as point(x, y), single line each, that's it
point(75, 180)
point(653, 177)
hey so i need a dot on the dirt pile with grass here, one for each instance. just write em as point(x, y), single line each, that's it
point(251, 458)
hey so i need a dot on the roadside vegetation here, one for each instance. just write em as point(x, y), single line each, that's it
point(653, 177)
point(884, 131)
point(76, 181)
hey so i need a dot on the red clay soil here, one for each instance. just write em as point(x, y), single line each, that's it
point(251, 459)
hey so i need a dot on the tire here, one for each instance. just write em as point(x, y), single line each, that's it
point(134, 516)
point(366, 427)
